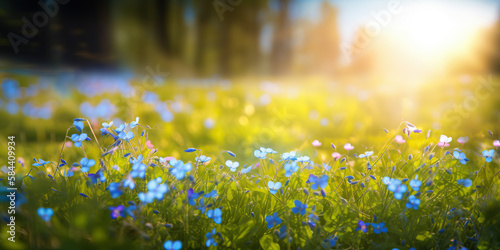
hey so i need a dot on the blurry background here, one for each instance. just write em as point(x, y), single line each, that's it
point(218, 72)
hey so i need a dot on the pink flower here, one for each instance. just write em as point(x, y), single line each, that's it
point(348, 146)
point(399, 139)
point(444, 141)
point(496, 143)
point(463, 140)
point(336, 155)
point(316, 143)
point(149, 145)
point(68, 144)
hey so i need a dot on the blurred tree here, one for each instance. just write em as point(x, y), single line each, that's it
point(282, 37)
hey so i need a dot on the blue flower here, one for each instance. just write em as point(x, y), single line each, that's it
point(210, 240)
point(291, 168)
point(78, 139)
point(40, 162)
point(260, 154)
point(460, 156)
point(380, 227)
point(126, 136)
point(134, 123)
point(192, 196)
point(362, 226)
point(299, 208)
point(289, 156)
point(117, 211)
point(232, 165)
point(366, 154)
point(78, 125)
point(488, 154)
point(332, 241)
point(107, 125)
point(202, 206)
point(180, 169)
point(464, 182)
point(156, 190)
point(211, 194)
point(246, 170)
point(86, 164)
point(415, 184)
point(397, 188)
point(216, 215)
point(303, 159)
point(274, 187)
point(120, 128)
point(273, 220)
point(321, 182)
point(169, 245)
point(413, 202)
point(115, 190)
point(129, 182)
point(202, 159)
point(45, 213)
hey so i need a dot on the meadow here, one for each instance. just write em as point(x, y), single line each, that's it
point(217, 164)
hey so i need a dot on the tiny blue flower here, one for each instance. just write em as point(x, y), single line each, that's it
point(413, 202)
point(134, 123)
point(107, 125)
point(460, 156)
point(415, 184)
point(380, 227)
point(246, 170)
point(216, 215)
point(126, 136)
point(362, 226)
point(288, 156)
point(321, 182)
point(169, 245)
point(299, 208)
point(86, 164)
point(78, 125)
point(115, 190)
point(291, 168)
point(117, 211)
point(210, 240)
point(366, 154)
point(78, 139)
point(464, 182)
point(273, 220)
point(45, 213)
point(232, 165)
point(192, 196)
point(203, 159)
point(260, 154)
point(303, 159)
point(488, 154)
point(274, 187)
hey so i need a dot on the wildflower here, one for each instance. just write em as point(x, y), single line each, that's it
point(192, 196)
point(246, 170)
point(303, 159)
point(180, 169)
point(212, 194)
point(274, 187)
point(114, 189)
point(380, 227)
point(488, 154)
point(232, 165)
point(120, 128)
point(299, 208)
point(45, 213)
point(155, 191)
point(336, 155)
point(463, 140)
point(332, 241)
point(117, 211)
point(273, 220)
point(413, 202)
point(288, 156)
point(399, 139)
point(291, 168)
point(362, 226)
point(202, 159)
point(464, 182)
point(260, 154)
point(415, 184)
point(169, 245)
point(216, 215)
point(396, 187)
point(129, 182)
point(78, 139)
point(78, 125)
point(460, 156)
point(348, 147)
point(268, 150)
point(444, 141)
point(316, 143)
point(107, 125)
point(126, 136)
point(98, 176)
point(318, 181)
point(134, 123)
point(40, 162)
point(210, 240)
point(86, 164)
point(366, 154)
point(496, 143)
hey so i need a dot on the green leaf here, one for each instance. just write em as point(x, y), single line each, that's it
point(266, 242)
